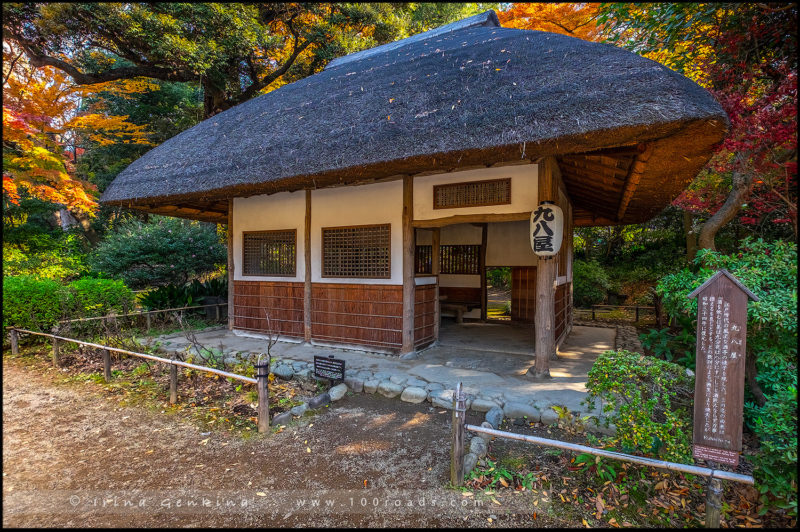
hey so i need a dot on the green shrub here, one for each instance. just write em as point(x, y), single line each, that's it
point(32, 303)
point(590, 283)
point(648, 400)
point(97, 297)
point(175, 295)
point(45, 257)
point(775, 465)
point(166, 250)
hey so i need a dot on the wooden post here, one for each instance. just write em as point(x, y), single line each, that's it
point(408, 266)
point(56, 361)
point(713, 502)
point(482, 269)
point(147, 315)
point(230, 265)
point(593, 318)
point(307, 282)
point(436, 237)
point(107, 365)
point(544, 313)
point(457, 448)
point(262, 387)
point(637, 313)
point(14, 338)
point(173, 384)
point(216, 308)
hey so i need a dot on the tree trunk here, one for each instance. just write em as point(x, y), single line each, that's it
point(737, 196)
point(750, 372)
point(86, 224)
point(691, 237)
point(214, 99)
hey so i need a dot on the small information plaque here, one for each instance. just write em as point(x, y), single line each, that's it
point(329, 368)
point(719, 381)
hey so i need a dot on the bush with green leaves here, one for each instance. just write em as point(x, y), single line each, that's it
point(97, 297)
point(190, 294)
point(45, 257)
point(775, 464)
point(590, 283)
point(769, 270)
point(32, 303)
point(649, 400)
point(165, 250)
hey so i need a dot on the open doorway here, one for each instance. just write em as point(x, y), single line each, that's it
point(498, 293)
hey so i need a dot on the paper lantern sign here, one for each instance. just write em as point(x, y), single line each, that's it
point(719, 379)
point(547, 229)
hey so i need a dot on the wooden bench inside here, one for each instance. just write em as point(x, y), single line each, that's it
point(459, 299)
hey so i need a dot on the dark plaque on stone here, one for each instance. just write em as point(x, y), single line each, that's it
point(719, 375)
point(329, 368)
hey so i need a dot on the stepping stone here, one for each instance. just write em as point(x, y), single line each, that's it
point(338, 391)
point(413, 394)
point(389, 389)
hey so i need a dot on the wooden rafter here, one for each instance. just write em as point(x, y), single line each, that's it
point(632, 181)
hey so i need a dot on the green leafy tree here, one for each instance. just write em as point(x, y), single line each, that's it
point(165, 250)
point(590, 283)
point(234, 51)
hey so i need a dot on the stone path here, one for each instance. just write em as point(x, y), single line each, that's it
point(491, 378)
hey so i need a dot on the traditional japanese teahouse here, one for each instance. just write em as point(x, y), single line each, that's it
point(366, 200)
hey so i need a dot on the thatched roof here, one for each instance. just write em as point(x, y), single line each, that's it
point(471, 93)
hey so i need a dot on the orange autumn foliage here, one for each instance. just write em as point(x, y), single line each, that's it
point(576, 20)
point(43, 115)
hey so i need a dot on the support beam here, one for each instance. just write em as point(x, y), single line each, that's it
point(632, 181)
point(230, 265)
point(436, 239)
point(482, 269)
point(408, 266)
point(544, 317)
point(472, 218)
point(307, 282)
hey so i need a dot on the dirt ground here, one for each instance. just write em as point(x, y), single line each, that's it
point(72, 456)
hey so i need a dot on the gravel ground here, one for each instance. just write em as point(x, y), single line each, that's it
point(72, 456)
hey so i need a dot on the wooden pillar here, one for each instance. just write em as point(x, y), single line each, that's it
point(14, 336)
point(107, 365)
point(408, 265)
point(307, 282)
point(457, 442)
point(544, 316)
point(230, 264)
point(56, 357)
point(482, 269)
point(436, 239)
point(173, 384)
point(262, 387)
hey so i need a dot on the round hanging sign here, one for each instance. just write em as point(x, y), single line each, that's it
point(547, 229)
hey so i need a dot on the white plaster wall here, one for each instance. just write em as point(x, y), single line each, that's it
point(524, 184)
point(509, 244)
point(284, 210)
point(376, 203)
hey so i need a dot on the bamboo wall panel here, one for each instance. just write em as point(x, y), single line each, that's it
point(252, 300)
point(424, 315)
point(523, 293)
point(369, 315)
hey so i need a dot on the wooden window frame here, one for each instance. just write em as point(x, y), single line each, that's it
point(322, 251)
point(507, 180)
point(294, 266)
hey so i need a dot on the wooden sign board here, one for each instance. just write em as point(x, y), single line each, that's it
point(719, 374)
point(329, 368)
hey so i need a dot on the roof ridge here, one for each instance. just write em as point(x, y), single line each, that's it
point(488, 18)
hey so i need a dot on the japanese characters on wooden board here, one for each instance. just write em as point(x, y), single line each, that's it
point(547, 229)
point(719, 380)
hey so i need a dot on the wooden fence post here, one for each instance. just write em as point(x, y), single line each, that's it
point(217, 309)
point(457, 449)
point(173, 384)
point(107, 365)
point(56, 361)
point(713, 502)
point(14, 338)
point(637, 313)
point(593, 318)
point(262, 386)
point(147, 315)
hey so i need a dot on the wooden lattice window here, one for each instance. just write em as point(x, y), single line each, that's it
point(269, 252)
point(362, 251)
point(463, 259)
point(423, 260)
point(472, 194)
